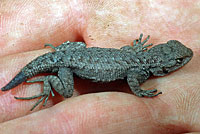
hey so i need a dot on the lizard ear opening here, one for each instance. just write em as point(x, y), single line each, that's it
point(158, 71)
point(179, 60)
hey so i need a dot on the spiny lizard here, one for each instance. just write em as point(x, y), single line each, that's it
point(134, 63)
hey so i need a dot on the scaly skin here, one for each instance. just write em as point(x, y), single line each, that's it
point(136, 63)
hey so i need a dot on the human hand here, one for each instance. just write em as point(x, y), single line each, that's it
point(26, 26)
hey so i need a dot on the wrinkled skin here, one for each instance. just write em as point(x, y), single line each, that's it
point(26, 26)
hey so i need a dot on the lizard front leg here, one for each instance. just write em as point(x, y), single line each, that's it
point(135, 87)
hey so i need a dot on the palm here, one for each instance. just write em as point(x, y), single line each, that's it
point(107, 24)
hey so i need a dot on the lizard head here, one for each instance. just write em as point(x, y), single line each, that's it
point(169, 57)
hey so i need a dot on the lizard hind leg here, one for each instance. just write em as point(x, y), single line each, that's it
point(63, 84)
point(66, 76)
point(46, 90)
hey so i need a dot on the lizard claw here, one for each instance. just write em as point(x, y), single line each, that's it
point(50, 45)
point(43, 96)
point(148, 93)
point(139, 46)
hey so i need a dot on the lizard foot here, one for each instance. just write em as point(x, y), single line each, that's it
point(139, 46)
point(50, 45)
point(148, 93)
point(44, 95)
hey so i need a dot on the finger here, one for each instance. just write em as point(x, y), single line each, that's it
point(11, 108)
point(9, 105)
point(28, 25)
point(99, 113)
point(56, 22)
point(17, 107)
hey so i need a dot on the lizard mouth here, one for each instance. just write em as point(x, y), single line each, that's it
point(179, 63)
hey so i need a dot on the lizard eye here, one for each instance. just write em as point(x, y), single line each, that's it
point(179, 60)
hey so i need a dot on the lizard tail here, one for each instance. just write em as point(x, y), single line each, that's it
point(38, 65)
point(18, 79)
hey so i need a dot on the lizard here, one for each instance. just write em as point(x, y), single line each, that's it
point(135, 63)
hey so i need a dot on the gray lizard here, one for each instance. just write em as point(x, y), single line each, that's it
point(134, 63)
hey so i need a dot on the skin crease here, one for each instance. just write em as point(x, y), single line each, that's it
point(26, 26)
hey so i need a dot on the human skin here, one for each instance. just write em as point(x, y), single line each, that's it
point(26, 26)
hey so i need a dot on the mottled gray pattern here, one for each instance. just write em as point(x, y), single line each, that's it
point(135, 63)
